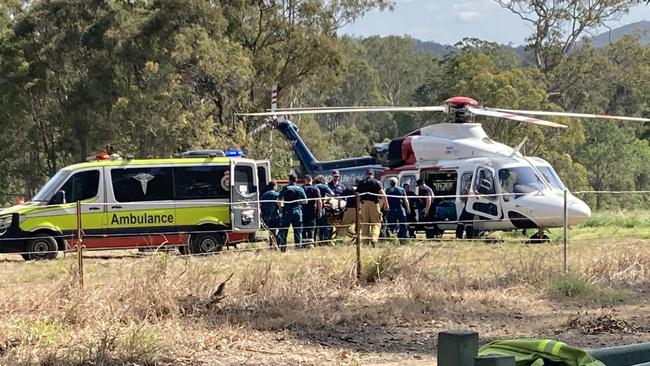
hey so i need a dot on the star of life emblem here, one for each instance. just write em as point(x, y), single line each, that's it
point(144, 179)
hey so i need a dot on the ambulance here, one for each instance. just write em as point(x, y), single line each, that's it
point(196, 202)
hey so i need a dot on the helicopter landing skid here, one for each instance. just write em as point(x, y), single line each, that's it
point(539, 237)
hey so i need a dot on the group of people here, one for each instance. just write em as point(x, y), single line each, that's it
point(400, 210)
point(300, 207)
point(408, 209)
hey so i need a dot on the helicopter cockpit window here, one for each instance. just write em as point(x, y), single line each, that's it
point(519, 180)
point(552, 177)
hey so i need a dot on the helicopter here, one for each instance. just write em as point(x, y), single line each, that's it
point(502, 188)
point(351, 170)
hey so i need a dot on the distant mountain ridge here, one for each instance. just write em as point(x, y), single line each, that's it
point(640, 29)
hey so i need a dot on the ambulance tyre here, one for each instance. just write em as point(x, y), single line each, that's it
point(207, 243)
point(42, 247)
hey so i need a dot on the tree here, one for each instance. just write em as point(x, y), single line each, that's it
point(559, 24)
point(291, 42)
point(605, 148)
point(183, 81)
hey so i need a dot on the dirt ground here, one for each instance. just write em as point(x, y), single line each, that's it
point(305, 307)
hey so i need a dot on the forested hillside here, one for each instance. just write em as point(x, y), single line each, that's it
point(159, 77)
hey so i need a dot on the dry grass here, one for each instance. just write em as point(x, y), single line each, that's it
point(305, 306)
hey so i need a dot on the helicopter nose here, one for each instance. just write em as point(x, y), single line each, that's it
point(578, 211)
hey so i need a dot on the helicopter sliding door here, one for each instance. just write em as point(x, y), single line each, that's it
point(485, 201)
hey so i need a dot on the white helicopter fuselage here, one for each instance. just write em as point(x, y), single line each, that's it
point(494, 183)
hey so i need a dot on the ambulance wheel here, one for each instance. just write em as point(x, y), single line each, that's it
point(208, 243)
point(41, 248)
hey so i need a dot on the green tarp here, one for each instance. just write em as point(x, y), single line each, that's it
point(538, 352)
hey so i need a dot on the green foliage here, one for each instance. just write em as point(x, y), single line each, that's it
point(618, 219)
point(576, 286)
point(158, 77)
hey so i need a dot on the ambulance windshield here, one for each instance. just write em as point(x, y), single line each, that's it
point(48, 190)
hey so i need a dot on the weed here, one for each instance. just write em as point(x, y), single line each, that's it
point(44, 332)
point(140, 343)
point(572, 285)
point(383, 266)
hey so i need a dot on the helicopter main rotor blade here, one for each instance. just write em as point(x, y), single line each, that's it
point(268, 123)
point(294, 112)
point(259, 129)
point(513, 117)
point(569, 114)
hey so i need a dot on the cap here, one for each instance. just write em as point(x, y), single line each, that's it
point(336, 173)
point(292, 177)
point(370, 172)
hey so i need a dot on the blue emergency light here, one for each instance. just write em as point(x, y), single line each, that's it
point(234, 152)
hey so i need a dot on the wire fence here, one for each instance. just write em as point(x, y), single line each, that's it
point(357, 228)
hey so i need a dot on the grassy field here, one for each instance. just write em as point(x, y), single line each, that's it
point(305, 307)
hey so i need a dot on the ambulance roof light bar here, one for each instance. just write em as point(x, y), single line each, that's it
point(234, 152)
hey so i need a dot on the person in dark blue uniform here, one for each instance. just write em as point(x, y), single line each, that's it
point(271, 212)
point(410, 216)
point(311, 210)
point(293, 196)
point(324, 230)
point(465, 220)
point(335, 184)
point(398, 207)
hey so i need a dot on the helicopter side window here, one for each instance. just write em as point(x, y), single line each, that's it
point(385, 179)
point(408, 179)
point(485, 183)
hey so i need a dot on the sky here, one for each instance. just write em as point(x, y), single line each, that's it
point(449, 21)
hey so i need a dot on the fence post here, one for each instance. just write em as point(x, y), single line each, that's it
point(566, 232)
point(457, 348)
point(80, 264)
point(357, 230)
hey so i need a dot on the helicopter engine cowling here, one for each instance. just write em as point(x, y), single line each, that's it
point(395, 153)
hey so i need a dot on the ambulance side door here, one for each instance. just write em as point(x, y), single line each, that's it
point(140, 202)
point(84, 186)
point(244, 196)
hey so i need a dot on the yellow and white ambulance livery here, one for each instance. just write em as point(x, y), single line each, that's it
point(194, 202)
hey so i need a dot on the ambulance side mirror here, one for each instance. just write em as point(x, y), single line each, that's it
point(58, 198)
